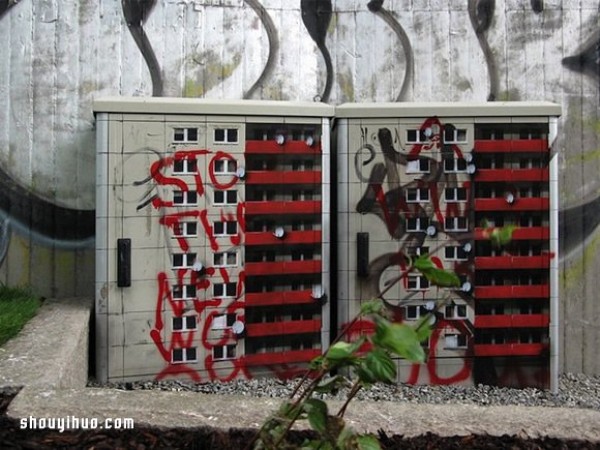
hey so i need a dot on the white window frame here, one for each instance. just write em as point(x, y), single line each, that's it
point(225, 256)
point(421, 195)
point(417, 314)
point(186, 170)
point(188, 260)
point(186, 132)
point(220, 290)
point(455, 224)
point(226, 194)
point(223, 321)
point(422, 224)
point(421, 283)
point(455, 308)
point(227, 139)
point(184, 323)
point(454, 197)
point(452, 341)
point(185, 356)
point(185, 200)
point(414, 167)
point(454, 168)
point(455, 139)
point(420, 136)
point(456, 250)
point(226, 169)
point(225, 231)
point(229, 352)
point(184, 227)
point(188, 291)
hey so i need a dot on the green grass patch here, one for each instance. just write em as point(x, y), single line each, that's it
point(17, 306)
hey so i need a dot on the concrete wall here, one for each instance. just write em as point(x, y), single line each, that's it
point(59, 54)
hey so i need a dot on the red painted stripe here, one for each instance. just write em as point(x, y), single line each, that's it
point(291, 237)
point(282, 267)
point(290, 356)
point(530, 291)
point(520, 204)
point(283, 328)
point(289, 147)
point(511, 175)
point(512, 146)
point(278, 298)
point(283, 207)
point(512, 262)
point(521, 233)
point(509, 349)
point(283, 177)
point(512, 321)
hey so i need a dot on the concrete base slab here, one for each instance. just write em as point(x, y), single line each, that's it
point(188, 409)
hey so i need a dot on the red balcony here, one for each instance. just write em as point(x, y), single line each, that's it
point(278, 298)
point(512, 291)
point(512, 321)
point(284, 207)
point(511, 175)
point(271, 147)
point(510, 349)
point(283, 267)
point(281, 328)
point(283, 177)
point(519, 234)
point(286, 357)
point(512, 262)
point(512, 146)
point(520, 204)
point(291, 237)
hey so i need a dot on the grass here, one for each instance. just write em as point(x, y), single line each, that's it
point(17, 306)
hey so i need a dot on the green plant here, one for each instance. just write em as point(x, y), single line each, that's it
point(17, 306)
point(367, 360)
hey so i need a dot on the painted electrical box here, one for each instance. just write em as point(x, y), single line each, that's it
point(439, 179)
point(213, 219)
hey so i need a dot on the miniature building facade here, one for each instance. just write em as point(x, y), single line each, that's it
point(212, 249)
point(215, 257)
point(438, 179)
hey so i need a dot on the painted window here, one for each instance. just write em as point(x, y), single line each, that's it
point(456, 224)
point(182, 355)
point(184, 291)
point(223, 321)
point(224, 289)
point(225, 197)
point(455, 165)
point(225, 166)
point(225, 228)
point(226, 136)
point(417, 251)
point(455, 135)
point(456, 194)
point(185, 166)
point(455, 312)
point(224, 352)
point(185, 135)
point(185, 229)
point(183, 260)
point(455, 341)
point(225, 259)
point(418, 166)
point(417, 224)
point(417, 195)
point(185, 198)
point(417, 282)
point(185, 323)
point(455, 253)
point(415, 136)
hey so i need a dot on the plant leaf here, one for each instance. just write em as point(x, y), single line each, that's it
point(441, 277)
point(379, 363)
point(400, 339)
point(423, 263)
point(367, 442)
point(342, 350)
point(317, 414)
point(424, 328)
point(502, 236)
point(332, 385)
point(374, 306)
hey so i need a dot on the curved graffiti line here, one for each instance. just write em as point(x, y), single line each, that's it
point(481, 13)
point(585, 217)
point(136, 13)
point(587, 60)
point(537, 6)
point(267, 22)
point(376, 7)
point(316, 16)
point(5, 5)
point(4, 237)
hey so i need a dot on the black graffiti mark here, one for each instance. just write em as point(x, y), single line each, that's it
point(4, 238)
point(481, 13)
point(316, 16)
point(136, 12)
point(267, 22)
point(5, 5)
point(357, 162)
point(585, 217)
point(537, 6)
point(587, 60)
point(41, 216)
point(376, 6)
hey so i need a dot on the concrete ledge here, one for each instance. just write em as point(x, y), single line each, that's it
point(52, 349)
point(194, 410)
